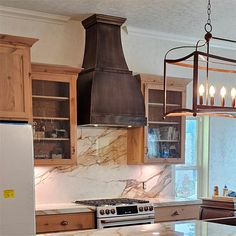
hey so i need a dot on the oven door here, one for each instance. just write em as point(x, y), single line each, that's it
point(120, 221)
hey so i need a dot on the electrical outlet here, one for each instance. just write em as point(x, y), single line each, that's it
point(144, 185)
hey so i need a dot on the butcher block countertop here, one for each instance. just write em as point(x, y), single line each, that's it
point(193, 228)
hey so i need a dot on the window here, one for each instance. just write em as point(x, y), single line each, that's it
point(186, 176)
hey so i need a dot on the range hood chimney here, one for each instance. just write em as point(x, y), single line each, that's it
point(107, 93)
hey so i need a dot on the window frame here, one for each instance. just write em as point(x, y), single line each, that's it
point(202, 158)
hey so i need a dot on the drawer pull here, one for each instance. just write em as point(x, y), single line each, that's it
point(175, 213)
point(64, 222)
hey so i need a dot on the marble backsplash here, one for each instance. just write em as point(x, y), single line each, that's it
point(102, 172)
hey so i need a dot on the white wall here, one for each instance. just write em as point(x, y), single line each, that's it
point(222, 166)
point(59, 43)
point(63, 43)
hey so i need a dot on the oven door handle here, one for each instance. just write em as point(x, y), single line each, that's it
point(129, 219)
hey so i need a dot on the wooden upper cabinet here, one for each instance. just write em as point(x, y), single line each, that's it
point(15, 69)
point(161, 141)
point(54, 114)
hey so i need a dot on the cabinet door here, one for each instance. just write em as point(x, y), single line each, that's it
point(54, 117)
point(14, 83)
point(163, 138)
point(212, 213)
point(65, 222)
point(174, 213)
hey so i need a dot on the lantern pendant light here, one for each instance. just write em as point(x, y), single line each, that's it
point(205, 94)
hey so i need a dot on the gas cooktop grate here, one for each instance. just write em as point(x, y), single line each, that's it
point(112, 201)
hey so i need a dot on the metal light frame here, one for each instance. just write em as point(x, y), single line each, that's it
point(198, 109)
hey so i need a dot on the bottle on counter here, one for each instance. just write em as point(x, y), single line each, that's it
point(216, 191)
point(225, 191)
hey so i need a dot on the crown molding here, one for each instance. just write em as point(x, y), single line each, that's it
point(32, 15)
point(171, 37)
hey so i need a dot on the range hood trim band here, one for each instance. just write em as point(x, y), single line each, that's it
point(107, 69)
point(124, 121)
point(105, 19)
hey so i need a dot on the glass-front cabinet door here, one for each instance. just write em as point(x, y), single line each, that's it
point(54, 115)
point(163, 137)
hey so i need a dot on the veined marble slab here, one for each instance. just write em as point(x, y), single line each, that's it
point(162, 202)
point(102, 172)
point(63, 208)
point(188, 228)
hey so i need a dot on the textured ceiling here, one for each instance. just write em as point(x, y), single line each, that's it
point(181, 17)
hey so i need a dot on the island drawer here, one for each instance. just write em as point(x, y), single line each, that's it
point(65, 222)
point(173, 213)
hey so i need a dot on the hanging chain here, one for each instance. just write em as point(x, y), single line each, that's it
point(208, 29)
point(208, 26)
point(209, 12)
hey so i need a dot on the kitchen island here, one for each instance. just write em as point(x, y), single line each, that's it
point(184, 228)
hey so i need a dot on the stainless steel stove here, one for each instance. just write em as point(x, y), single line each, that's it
point(121, 211)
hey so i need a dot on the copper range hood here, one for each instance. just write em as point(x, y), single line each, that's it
point(107, 92)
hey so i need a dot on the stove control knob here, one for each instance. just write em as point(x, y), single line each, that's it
point(141, 209)
point(146, 208)
point(107, 211)
point(113, 211)
point(102, 212)
point(151, 208)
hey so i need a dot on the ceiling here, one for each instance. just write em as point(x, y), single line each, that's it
point(180, 17)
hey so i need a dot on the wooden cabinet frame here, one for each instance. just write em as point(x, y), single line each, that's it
point(175, 213)
point(65, 74)
point(16, 50)
point(137, 137)
point(65, 222)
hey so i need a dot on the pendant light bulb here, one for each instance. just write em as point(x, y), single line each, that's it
point(223, 92)
point(233, 92)
point(212, 91)
point(201, 90)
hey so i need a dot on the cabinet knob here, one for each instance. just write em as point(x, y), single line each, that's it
point(73, 150)
point(64, 222)
point(175, 213)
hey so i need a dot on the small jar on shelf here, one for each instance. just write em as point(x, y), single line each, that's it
point(57, 152)
point(40, 128)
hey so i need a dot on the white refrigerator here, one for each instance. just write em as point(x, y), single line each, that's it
point(17, 199)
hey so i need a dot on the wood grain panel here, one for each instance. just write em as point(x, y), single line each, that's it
point(11, 82)
point(65, 222)
point(15, 68)
point(174, 213)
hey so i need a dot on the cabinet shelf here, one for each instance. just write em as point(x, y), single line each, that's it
point(49, 118)
point(50, 98)
point(51, 139)
point(161, 104)
point(170, 141)
point(164, 123)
